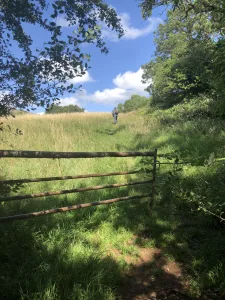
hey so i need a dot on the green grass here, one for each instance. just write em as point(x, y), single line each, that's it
point(82, 254)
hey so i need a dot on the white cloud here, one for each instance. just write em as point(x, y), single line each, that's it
point(130, 80)
point(41, 113)
point(68, 101)
point(107, 96)
point(126, 85)
point(81, 79)
point(131, 32)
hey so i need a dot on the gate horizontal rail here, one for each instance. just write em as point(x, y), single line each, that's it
point(78, 190)
point(45, 154)
point(69, 155)
point(66, 177)
point(69, 208)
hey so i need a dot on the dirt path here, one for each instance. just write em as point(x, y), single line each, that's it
point(153, 277)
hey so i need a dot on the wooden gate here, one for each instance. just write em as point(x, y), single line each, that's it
point(71, 155)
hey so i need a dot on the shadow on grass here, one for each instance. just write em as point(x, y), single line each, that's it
point(32, 268)
point(186, 235)
point(154, 277)
point(51, 258)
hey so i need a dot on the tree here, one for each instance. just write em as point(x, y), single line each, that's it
point(218, 78)
point(33, 77)
point(134, 103)
point(192, 60)
point(182, 67)
point(57, 109)
point(215, 9)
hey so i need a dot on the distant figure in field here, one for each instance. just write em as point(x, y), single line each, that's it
point(115, 114)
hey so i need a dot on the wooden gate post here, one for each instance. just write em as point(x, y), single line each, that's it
point(153, 180)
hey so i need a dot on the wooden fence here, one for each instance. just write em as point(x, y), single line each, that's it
point(71, 155)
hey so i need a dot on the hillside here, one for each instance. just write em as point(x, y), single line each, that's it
point(17, 112)
point(118, 250)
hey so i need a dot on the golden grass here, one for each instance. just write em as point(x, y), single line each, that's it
point(80, 132)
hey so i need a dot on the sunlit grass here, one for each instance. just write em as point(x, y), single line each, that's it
point(78, 242)
point(82, 254)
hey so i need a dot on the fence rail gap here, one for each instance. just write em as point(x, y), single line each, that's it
point(66, 177)
point(78, 190)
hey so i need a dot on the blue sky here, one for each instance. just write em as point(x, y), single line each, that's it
point(114, 77)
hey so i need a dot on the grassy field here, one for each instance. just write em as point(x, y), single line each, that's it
point(86, 254)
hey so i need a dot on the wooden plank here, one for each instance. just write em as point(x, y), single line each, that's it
point(69, 208)
point(66, 177)
point(78, 190)
point(45, 154)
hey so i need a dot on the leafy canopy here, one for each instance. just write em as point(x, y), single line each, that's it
point(32, 76)
point(215, 9)
point(182, 66)
point(190, 53)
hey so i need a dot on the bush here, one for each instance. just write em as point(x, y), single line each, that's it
point(198, 107)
